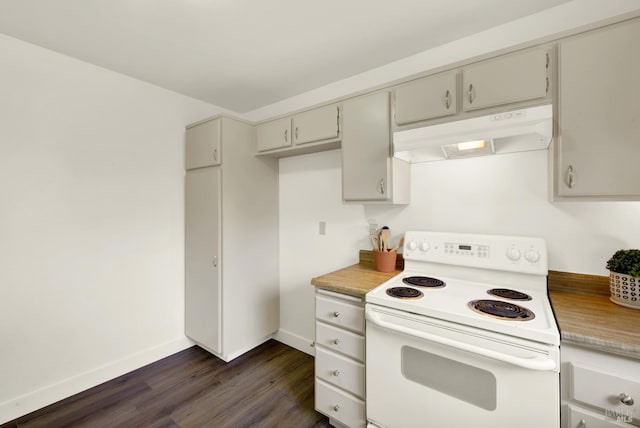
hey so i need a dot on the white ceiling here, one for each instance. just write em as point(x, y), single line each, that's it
point(245, 54)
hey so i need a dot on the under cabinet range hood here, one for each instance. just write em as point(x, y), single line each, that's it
point(508, 132)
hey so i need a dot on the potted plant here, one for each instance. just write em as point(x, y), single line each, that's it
point(624, 278)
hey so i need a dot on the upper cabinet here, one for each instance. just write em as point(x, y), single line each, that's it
point(369, 172)
point(506, 82)
point(427, 98)
point(274, 135)
point(598, 146)
point(203, 144)
point(316, 125)
point(310, 131)
point(507, 79)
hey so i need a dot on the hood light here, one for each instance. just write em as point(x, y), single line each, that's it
point(470, 145)
point(468, 148)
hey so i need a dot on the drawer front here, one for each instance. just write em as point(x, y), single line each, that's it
point(340, 313)
point(339, 405)
point(339, 340)
point(340, 371)
point(604, 390)
point(580, 418)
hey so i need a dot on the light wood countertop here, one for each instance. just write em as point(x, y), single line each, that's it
point(581, 304)
point(357, 280)
point(587, 317)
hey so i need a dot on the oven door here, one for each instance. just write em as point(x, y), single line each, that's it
point(423, 372)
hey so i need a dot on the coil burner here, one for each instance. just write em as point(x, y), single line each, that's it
point(501, 310)
point(424, 281)
point(507, 293)
point(404, 293)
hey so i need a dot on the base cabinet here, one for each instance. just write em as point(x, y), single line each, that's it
point(598, 390)
point(230, 308)
point(339, 362)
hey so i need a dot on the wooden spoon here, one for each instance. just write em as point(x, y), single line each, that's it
point(385, 235)
point(376, 242)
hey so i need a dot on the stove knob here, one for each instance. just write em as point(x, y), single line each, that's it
point(513, 254)
point(412, 245)
point(532, 255)
point(424, 246)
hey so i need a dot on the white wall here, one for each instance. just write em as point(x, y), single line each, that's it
point(503, 194)
point(91, 224)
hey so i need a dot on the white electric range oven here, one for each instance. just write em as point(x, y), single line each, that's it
point(464, 337)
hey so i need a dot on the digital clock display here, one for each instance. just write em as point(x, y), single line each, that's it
point(464, 247)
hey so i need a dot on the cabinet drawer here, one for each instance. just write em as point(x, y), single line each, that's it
point(340, 313)
point(580, 418)
point(340, 371)
point(340, 340)
point(339, 405)
point(604, 390)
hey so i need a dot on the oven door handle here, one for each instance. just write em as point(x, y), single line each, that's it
point(535, 363)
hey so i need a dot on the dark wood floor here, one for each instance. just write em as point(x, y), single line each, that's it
point(270, 386)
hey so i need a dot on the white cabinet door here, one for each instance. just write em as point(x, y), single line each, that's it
point(274, 135)
point(203, 145)
point(316, 125)
point(426, 98)
point(366, 149)
point(598, 151)
point(202, 252)
point(507, 79)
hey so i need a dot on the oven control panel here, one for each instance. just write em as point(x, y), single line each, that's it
point(509, 253)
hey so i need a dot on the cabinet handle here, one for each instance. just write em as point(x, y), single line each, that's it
point(447, 99)
point(582, 424)
point(570, 177)
point(336, 408)
point(336, 341)
point(215, 261)
point(547, 88)
point(286, 135)
point(336, 314)
point(381, 186)
point(471, 93)
point(215, 155)
point(296, 135)
point(626, 399)
point(336, 373)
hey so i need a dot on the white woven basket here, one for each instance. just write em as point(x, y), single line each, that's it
point(625, 290)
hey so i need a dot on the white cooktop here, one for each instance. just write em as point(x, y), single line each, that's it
point(470, 265)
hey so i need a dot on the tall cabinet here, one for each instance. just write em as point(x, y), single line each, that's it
point(231, 238)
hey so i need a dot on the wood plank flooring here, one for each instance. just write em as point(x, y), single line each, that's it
point(270, 386)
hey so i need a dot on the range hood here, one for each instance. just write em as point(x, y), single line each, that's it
point(508, 132)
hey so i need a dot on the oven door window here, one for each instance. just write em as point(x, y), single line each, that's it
point(471, 384)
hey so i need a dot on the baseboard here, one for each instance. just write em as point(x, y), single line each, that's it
point(50, 394)
point(301, 343)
